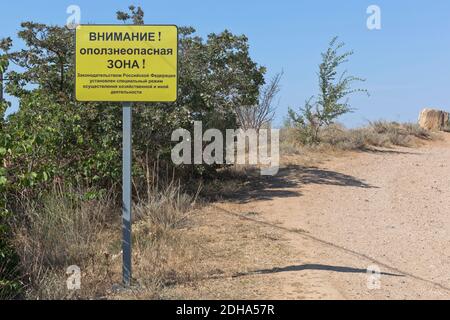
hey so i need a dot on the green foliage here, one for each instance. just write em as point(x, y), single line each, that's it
point(47, 61)
point(9, 285)
point(62, 142)
point(54, 140)
point(332, 101)
point(136, 15)
point(3, 63)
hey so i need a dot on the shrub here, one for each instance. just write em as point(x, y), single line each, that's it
point(166, 208)
point(376, 134)
point(417, 131)
point(289, 142)
point(396, 134)
point(53, 139)
point(332, 101)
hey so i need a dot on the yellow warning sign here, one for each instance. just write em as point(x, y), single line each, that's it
point(126, 63)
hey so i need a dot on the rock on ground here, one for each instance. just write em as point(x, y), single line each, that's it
point(435, 120)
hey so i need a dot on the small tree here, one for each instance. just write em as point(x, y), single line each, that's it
point(332, 100)
point(136, 15)
point(262, 113)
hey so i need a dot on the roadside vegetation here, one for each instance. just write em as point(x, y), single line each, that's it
point(315, 127)
point(61, 159)
point(60, 162)
point(335, 137)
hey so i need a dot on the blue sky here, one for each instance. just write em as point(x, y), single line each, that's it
point(406, 63)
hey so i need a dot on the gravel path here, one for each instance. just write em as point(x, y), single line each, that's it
point(388, 209)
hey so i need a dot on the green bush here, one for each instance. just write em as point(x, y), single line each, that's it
point(54, 140)
point(332, 100)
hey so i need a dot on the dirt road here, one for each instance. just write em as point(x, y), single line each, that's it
point(389, 209)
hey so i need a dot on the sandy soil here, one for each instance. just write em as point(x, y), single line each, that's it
point(388, 208)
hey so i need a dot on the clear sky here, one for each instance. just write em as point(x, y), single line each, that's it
point(406, 63)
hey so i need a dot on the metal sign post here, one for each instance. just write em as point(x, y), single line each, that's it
point(126, 192)
point(118, 63)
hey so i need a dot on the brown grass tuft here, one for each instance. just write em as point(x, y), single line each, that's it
point(336, 137)
point(59, 231)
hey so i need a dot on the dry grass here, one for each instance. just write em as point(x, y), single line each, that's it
point(59, 231)
point(163, 254)
point(163, 258)
point(167, 208)
point(289, 142)
point(63, 229)
point(376, 134)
